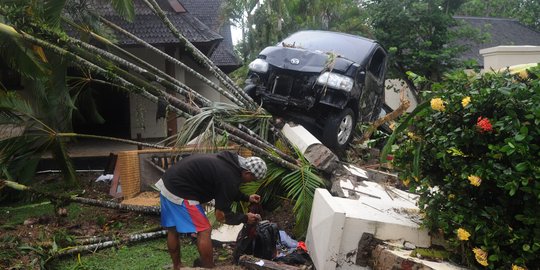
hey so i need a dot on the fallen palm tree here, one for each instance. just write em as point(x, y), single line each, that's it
point(61, 200)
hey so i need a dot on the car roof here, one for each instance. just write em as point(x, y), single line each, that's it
point(355, 48)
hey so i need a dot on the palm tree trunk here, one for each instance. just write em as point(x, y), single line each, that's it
point(78, 135)
point(172, 60)
point(199, 56)
point(106, 204)
point(129, 239)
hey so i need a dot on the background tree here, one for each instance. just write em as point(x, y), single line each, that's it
point(525, 11)
point(418, 34)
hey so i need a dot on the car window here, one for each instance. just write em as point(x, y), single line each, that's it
point(351, 47)
point(376, 66)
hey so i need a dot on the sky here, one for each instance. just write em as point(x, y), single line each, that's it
point(236, 34)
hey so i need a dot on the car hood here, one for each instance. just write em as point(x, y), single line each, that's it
point(302, 60)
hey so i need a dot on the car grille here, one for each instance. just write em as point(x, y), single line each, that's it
point(295, 86)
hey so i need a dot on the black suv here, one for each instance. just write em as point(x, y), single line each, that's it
point(326, 81)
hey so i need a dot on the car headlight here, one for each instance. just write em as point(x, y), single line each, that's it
point(336, 81)
point(258, 65)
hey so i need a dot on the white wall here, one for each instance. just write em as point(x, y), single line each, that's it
point(503, 56)
point(143, 111)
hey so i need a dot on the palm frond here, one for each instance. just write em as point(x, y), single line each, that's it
point(18, 56)
point(300, 186)
point(13, 108)
point(224, 113)
point(53, 10)
point(125, 8)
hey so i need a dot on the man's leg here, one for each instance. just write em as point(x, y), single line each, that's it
point(204, 244)
point(173, 245)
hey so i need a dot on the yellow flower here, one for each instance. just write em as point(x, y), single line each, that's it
point(465, 101)
point(480, 256)
point(515, 267)
point(462, 234)
point(406, 182)
point(437, 104)
point(451, 196)
point(475, 180)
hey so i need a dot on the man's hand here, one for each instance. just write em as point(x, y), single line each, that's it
point(253, 218)
point(254, 198)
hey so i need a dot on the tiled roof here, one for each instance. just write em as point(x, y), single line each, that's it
point(209, 12)
point(501, 32)
point(150, 28)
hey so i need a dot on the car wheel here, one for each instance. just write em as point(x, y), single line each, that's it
point(339, 130)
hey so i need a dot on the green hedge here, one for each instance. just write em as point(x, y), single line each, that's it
point(473, 155)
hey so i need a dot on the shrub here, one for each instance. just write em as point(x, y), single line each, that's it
point(472, 152)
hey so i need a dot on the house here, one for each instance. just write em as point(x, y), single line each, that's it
point(501, 32)
point(200, 21)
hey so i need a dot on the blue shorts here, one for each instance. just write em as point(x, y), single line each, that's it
point(187, 218)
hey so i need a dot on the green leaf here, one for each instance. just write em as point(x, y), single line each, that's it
point(521, 167)
point(519, 137)
point(125, 8)
point(526, 247)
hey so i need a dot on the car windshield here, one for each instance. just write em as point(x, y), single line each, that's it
point(352, 47)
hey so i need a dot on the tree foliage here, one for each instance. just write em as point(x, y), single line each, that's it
point(418, 34)
point(525, 11)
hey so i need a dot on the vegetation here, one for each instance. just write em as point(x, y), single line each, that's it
point(525, 11)
point(470, 152)
point(419, 35)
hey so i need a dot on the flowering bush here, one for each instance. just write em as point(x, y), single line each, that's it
point(472, 152)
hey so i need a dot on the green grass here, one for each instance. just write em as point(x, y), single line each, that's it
point(144, 255)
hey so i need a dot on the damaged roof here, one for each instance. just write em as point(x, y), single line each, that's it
point(501, 32)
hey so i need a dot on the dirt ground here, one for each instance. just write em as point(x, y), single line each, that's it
point(78, 226)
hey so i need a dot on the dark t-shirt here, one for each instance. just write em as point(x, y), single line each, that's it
point(204, 177)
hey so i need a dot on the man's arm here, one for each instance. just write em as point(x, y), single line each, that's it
point(236, 218)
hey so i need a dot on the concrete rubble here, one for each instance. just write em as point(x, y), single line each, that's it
point(365, 204)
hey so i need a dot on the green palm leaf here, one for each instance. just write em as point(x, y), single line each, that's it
point(125, 8)
point(53, 10)
point(300, 186)
point(13, 108)
point(18, 56)
point(203, 124)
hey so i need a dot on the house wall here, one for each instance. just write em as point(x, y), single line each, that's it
point(143, 111)
point(503, 56)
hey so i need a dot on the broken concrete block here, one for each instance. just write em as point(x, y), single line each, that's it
point(337, 224)
point(385, 258)
point(313, 150)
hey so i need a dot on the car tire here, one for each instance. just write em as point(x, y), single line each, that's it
point(339, 130)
